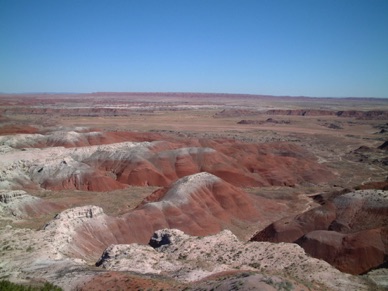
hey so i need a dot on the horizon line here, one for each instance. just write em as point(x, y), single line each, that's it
point(188, 92)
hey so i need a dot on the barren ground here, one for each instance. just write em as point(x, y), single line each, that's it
point(346, 146)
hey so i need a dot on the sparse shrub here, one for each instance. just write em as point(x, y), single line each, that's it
point(29, 249)
point(6, 285)
point(255, 265)
point(286, 285)
point(268, 281)
point(182, 257)
point(50, 287)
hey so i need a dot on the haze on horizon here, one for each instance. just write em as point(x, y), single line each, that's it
point(298, 48)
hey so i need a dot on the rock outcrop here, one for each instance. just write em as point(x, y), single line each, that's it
point(187, 259)
point(18, 204)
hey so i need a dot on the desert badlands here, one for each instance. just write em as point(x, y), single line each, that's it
point(190, 191)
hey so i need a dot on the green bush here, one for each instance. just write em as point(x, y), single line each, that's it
point(9, 286)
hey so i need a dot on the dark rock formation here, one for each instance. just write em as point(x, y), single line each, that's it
point(384, 146)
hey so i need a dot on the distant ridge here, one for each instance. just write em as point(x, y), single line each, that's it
point(191, 94)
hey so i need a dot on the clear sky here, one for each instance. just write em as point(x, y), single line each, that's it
point(330, 48)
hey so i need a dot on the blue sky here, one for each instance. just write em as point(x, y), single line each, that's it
point(329, 48)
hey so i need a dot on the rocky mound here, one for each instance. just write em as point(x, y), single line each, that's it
point(18, 204)
point(340, 231)
point(187, 259)
point(83, 231)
